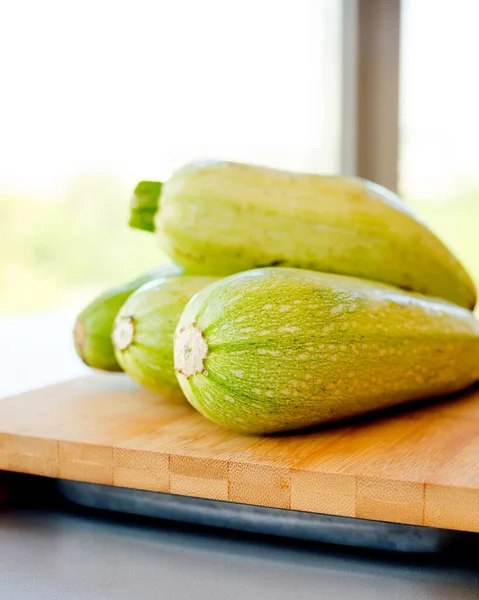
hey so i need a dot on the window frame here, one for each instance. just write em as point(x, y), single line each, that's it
point(370, 90)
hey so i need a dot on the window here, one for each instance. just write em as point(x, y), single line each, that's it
point(97, 95)
point(104, 94)
point(439, 122)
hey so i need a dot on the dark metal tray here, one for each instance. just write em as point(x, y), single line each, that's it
point(257, 519)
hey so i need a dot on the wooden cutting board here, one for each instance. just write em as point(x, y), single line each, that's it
point(418, 466)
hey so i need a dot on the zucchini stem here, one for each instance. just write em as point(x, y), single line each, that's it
point(190, 351)
point(123, 333)
point(144, 205)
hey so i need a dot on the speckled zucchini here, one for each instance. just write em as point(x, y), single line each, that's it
point(93, 327)
point(223, 217)
point(144, 328)
point(278, 349)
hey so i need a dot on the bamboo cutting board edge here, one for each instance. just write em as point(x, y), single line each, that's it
point(416, 467)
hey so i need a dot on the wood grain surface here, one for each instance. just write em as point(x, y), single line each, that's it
point(416, 466)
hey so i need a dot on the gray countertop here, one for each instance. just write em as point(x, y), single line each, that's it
point(58, 554)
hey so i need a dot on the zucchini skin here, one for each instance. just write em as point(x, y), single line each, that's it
point(144, 329)
point(224, 217)
point(280, 349)
point(93, 326)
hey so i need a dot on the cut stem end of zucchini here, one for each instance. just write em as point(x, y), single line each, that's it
point(191, 351)
point(123, 333)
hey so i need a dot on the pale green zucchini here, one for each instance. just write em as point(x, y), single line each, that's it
point(144, 328)
point(222, 217)
point(93, 327)
point(279, 349)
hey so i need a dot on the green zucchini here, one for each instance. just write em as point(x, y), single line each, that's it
point(93, 326)
point(221, 218)
point(280, 349)
point(144, 328)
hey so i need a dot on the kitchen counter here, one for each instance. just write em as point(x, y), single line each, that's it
point(47, 358)
point(57, 555)
point(53, 550)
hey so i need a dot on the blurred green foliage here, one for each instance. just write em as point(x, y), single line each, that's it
point(61, 252)
point(455, 219)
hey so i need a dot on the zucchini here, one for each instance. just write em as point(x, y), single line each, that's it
point(93, 326)
point(144, 329)
point(221, 218)
point(280, 349)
